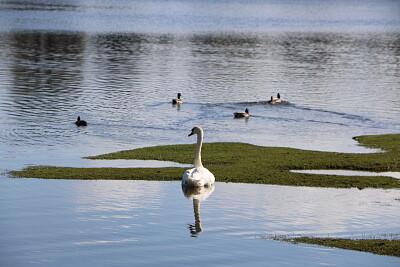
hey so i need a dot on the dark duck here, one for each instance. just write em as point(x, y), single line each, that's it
point(80, 122)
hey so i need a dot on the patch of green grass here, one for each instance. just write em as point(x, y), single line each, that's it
point(245, 163)
point(376, 246)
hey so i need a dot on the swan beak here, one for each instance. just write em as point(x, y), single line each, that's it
point(190, 134)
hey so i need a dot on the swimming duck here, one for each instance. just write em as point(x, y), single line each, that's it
point(275, 100)
point(178, 100)
point(244, 114)
point(80, 122)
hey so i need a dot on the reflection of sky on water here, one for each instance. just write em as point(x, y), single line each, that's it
point(157, 16)
point(257, 209)
point(116, 195)
point(303, 210)
point(100, 217)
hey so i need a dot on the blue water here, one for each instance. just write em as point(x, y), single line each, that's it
point(188, 16)
point(114, 223)
point(118, 64)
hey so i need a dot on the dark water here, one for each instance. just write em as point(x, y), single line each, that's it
point(118, 64)
point(123, 83)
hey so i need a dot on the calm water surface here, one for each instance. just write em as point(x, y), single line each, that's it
point(116, 223)
point(118, 64)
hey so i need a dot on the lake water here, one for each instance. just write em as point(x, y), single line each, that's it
point(118, 64)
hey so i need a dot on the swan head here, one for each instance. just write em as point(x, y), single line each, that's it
point(196, 130)
point(179, 95)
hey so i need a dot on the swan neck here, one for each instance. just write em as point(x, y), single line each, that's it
point(197, 155)
point(196, 209)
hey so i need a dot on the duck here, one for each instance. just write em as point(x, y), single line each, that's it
point(80, 122)
point(275, 100)
point(198, 176)
point(244, 114)
point(177, 100)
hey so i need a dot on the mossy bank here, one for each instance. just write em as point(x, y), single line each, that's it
point(245, 163)
point(375, 246)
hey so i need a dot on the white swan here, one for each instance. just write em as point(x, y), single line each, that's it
point(244, 114)
point(177, 100)
point(275, 100)
point(198, 176)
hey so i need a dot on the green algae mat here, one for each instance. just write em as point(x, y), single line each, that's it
point(375, 246)
point(245, 163)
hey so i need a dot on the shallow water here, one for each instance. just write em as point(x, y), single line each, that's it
point(123, 222)
point(118, 64)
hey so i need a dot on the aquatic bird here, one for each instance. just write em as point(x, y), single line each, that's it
point(177, 100)
point(275, 100)
point(198, 194)
point(80, 122)
point(198, 176)
point(244, 114)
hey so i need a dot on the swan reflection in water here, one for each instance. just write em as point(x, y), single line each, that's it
point(198, 194)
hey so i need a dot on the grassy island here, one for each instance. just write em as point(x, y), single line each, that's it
point(245, 163)
point(375, 246)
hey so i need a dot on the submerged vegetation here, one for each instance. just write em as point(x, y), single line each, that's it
point(245, 163)
point(376, 246)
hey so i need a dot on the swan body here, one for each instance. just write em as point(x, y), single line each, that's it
point(275, 100)
point(244, 114)
point(199, 175)
point(177, 100)
point(80, 122)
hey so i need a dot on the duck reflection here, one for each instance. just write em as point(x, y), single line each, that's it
point(197, 194)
